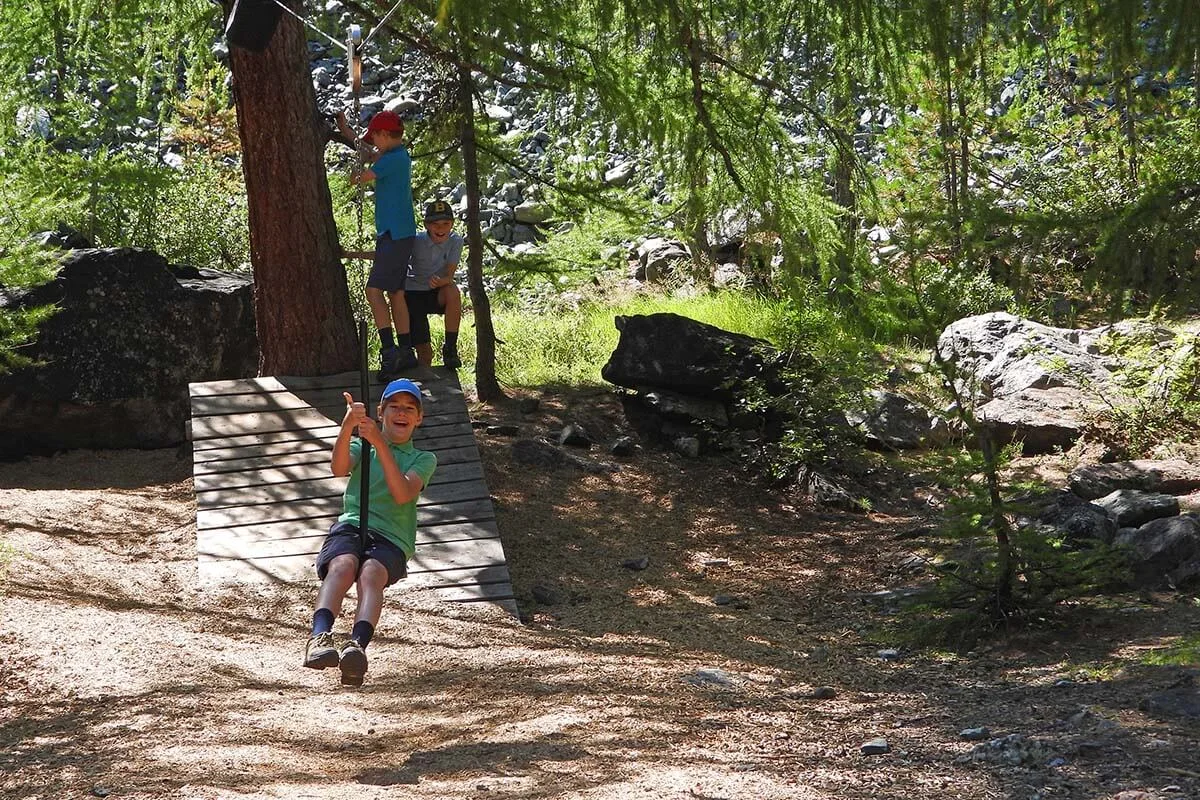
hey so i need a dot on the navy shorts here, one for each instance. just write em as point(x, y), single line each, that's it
point(420, 305)
point(389, 270)
point(343, 538)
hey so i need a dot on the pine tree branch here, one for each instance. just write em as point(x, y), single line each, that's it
point(695, 60)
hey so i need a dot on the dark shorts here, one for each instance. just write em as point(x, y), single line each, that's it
point(389, 270)
point(343, 538)
point(420, 305)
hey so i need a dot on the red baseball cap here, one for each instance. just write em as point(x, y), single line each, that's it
point(385, 121)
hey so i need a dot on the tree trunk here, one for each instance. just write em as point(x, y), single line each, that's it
point(486, 385)
point(301, 302)
point(843, 190)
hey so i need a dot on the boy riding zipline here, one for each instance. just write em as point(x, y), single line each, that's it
point(373, 553)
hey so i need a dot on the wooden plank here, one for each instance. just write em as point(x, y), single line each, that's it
point(265, 500)
point(429, 555)
point(285, 398)
point(285, 493)
point(320, 433)
point(224, 450)
point(489, 581)
point(228, 481)
point(445, 455)
point(329, 508)
point(250, 535)
point(307, 420)
point(440, 376)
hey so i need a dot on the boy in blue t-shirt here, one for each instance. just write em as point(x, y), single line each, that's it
point(398, 473)
point(430, 288)
point(395, 230)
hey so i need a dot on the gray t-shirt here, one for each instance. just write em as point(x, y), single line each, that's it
point(429, 259)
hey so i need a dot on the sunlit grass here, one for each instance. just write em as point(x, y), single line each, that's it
point(1184, 652)
point(570, 345)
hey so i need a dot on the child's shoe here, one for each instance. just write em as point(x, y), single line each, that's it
point(407, 358)
point(320, 652)
point(389, 363)
point(353, 661)
point(450, 356)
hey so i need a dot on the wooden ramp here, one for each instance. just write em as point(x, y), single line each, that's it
point(265, 497)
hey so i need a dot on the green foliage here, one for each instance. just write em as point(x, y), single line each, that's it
point(1183, 652)
point(22, 266)
point(1159, 402)
point(568, 342)
point(200, 216)
point(1047, 570)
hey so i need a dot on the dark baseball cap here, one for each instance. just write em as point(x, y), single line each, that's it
point(438, 209)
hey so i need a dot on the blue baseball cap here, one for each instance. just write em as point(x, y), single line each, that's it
point(401, 385)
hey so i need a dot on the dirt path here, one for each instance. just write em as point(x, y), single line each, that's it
point(124, 677)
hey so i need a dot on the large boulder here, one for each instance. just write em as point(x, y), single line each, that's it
point(1038, 384)
point(667, 351)
point(690, 380)
point(112, 366)
point(1174, 476)
point(1164, 551)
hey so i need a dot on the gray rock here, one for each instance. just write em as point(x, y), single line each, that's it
point(623, 447)
point(1174, 476)
point(619, 175)
point(536, 453)
point(889, 654)
point(675, 405)
point(723, 600)
point(1131, 508)
point(687, 446)
point(823, 693)
point(658, 258)
point(974, 734)
point(714, 677)
point(667, 351)
point(875, 747)
point(1164, 551)
point(1078, 521)
point(532, 213)
point(115, 361)
point(1033, 383)
point(575, 435)
point(1016, 749)
point(1179, 703)
point(893, 421)
point(1043, 420)
point(636, 564)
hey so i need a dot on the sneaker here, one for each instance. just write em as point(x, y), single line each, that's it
point(389, 362)
point(321, 652)
point(406, 359)
point(450, 356)
point(353, 661)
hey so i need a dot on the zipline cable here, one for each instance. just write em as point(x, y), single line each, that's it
point(334, 41)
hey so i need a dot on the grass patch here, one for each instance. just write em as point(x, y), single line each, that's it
point(1184, 652)
point(569, 345)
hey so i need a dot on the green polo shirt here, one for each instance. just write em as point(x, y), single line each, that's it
point(396, 521)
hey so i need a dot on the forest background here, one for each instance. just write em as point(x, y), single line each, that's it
point(1037, 157)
